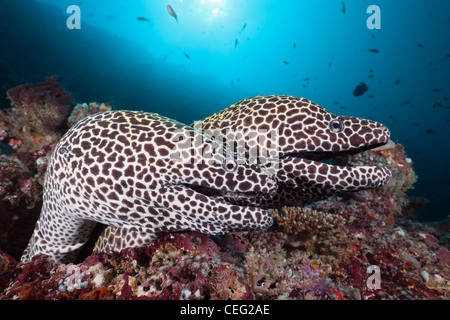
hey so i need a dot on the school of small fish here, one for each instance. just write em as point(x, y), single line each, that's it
point(359, 89)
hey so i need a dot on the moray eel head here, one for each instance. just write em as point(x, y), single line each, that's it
point(306, 134)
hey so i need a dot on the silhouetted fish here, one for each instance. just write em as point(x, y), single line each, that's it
point(397, 82)
point(172, 12)
point(186, 55)
point(294, 45)
point(285, 62)
point(435, 90)
point(436, 104)
point(430, 131)
point(236, 42)
point(343, 7)
point(374, 50)
point(243, 28)
point(420, 45)
point(143, 19)
point(360, 89)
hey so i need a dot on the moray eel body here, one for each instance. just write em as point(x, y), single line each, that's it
point(142, 174)
point(303, 134)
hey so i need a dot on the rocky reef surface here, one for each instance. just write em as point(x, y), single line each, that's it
point(364, 245)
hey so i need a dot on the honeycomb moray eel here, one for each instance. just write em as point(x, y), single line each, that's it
point(305, 134)
point(142, 174)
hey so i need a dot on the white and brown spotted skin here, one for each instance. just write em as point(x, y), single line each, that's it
point(307, 134)
point(118, 169)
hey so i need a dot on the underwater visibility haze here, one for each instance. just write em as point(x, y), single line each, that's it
point(387, 61)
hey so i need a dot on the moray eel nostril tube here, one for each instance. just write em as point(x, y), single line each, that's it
point(145, 174)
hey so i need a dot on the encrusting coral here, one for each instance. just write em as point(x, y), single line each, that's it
point(38, 110)
point(83, 110)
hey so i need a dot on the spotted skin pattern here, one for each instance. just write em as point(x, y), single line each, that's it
point(143, 174)
point(306, 134)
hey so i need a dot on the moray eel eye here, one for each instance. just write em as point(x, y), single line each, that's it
point(336, 126)
point(229, 165)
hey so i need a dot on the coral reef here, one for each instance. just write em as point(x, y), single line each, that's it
point(38, 110)
point(81, 111)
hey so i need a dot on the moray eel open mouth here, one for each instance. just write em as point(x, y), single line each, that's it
point(315, 178)
point(327, 155)
point(222, 194)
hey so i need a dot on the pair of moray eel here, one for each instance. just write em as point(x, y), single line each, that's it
point(142, 174)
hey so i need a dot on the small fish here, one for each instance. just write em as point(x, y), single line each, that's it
point(306, 79)
point(343, 7)
point(420, 45)
point(285, 62)
point(397, 82)
point(430, 131)
point(435, 90)
point(172, 12)
point(437, 104)
point(329, 65)
point(294, 45)
point(186, 55)
point(243, 28)
point(374, 50)
point(360, 89)
point(236, 42)
point(143, 19)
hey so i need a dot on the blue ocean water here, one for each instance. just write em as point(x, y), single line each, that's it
point(137, 56)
